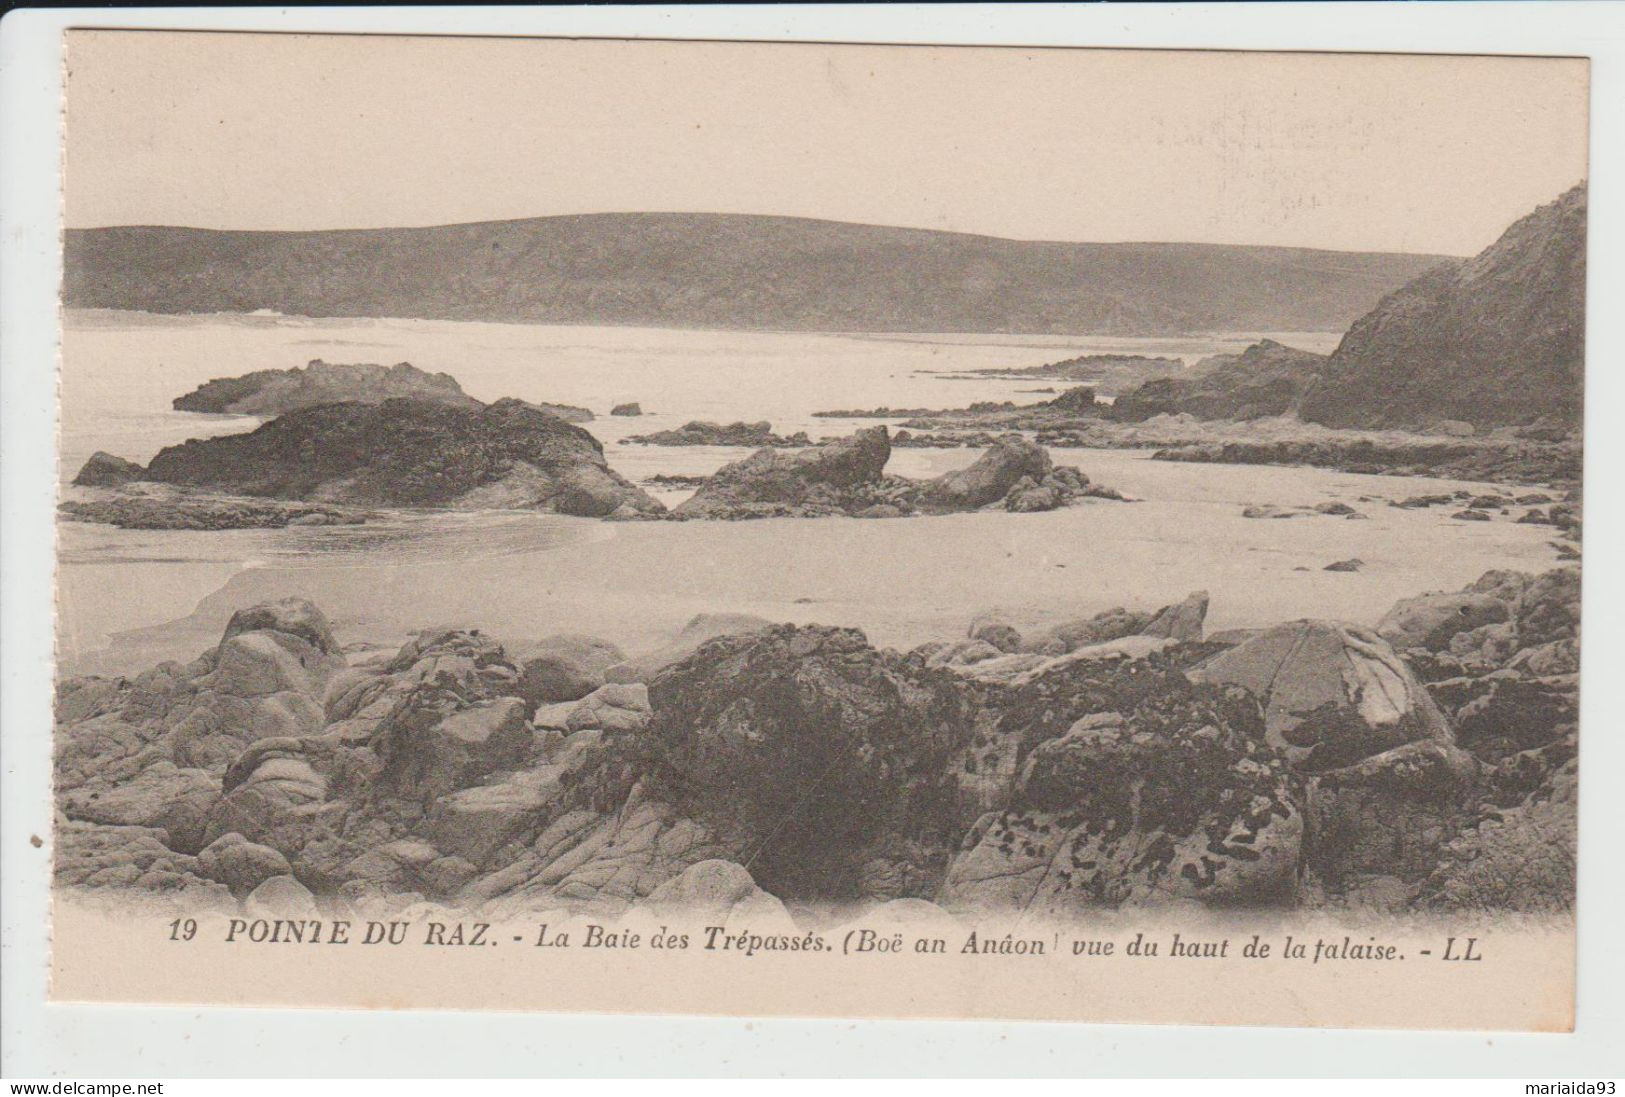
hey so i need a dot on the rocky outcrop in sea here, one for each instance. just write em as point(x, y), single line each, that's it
point(847, 476)
point(270, 392)
point(699, 432)
point(1122, 760)
point(401, 452)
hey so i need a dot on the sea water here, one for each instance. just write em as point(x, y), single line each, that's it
point(130, 597)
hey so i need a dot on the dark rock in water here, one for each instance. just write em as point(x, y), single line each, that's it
point(1352, 564)
point(1493, 340)
point(846, 476)
point(1266, 379)
point(103, 470)
point(507, 455)
point(1113, 624)
point(149, 506)
point(828, 478)
point(570, 413)
point(271, 392)
point(632, 409)
point(698, 432)
point(992, 475)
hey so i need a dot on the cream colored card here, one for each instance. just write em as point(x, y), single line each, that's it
point(828, 530)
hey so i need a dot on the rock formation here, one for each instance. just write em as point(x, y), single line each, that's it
point(1498, 339)
point(271, 392)
point(410, 452)
point(1268, 378)
point(1309, 765)
point(847, 476)
point(699, 432)
point(103, 470)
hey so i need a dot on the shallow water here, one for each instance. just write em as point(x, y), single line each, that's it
point(129, 598)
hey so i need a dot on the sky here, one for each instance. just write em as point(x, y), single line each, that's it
point(1345, 151)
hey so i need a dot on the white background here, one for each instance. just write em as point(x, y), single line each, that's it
point(127, 1042)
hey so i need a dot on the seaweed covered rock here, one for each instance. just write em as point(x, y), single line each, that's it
point(411, 452)
point(1125, 783)
point(807, 750)
point(1523, 858)
point(1333, 693)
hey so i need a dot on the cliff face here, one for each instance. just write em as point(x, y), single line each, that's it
point(408, 452)
point(729, 271)
point(1268, 378)
point(273, 392)
point(1493, 341)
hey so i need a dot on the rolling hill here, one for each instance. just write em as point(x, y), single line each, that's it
point(731, 271)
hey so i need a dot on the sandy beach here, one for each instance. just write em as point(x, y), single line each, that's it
point(904, 581)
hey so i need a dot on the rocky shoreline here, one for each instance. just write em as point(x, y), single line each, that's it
point(328, 464)
point(1122, 761)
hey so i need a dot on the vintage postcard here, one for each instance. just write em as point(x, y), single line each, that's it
point(825, 530)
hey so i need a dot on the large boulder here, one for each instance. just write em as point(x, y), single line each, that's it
point(564, 668)
point(291, 616)
point(411, 452)
point(992, 475)
point(240, 864)
point(1432, 620)
point(812, 751)
point(1333, 693)
point(772, 481)
point(436, 743)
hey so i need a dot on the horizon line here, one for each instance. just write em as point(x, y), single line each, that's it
point(765, 216)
